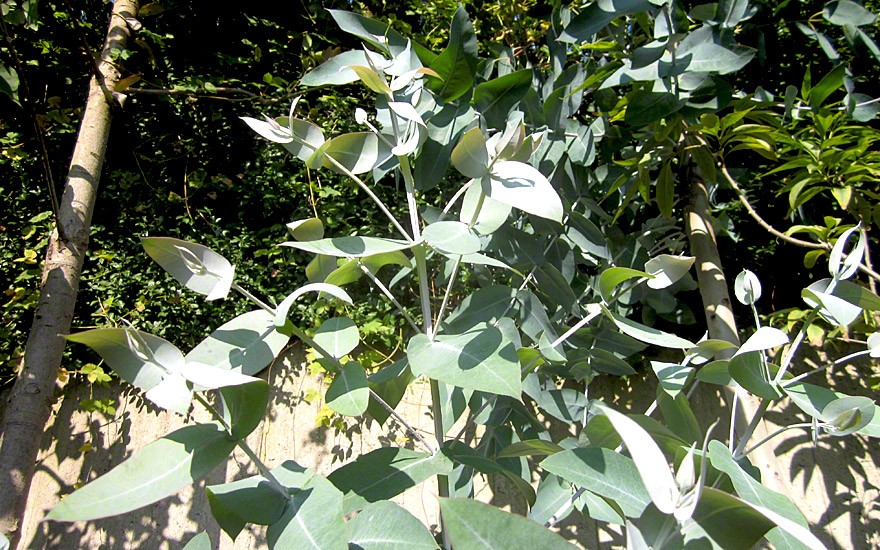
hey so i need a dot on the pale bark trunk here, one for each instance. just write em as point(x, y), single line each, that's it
point(30, 401)
point(722, 325)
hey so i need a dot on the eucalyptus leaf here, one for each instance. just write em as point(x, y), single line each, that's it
point(336, 70)
point(197, 267)
point(309, 229)
point(386, 526)
point(202, 541)
point(613, 276)
point(349, 393)
point(249, 500)
point(247, 344)
point(472, 524)
point(284, 307)
point(649, 335)
point(471, 156)
point(456, 64)
point(338, 336)
point(666, 269)
point(763, 339)
point(354, 247)
point(450, 237)
point(312, 519)
point(521, 186)
point(152, 473)
point(747, 287)
point(244, 406)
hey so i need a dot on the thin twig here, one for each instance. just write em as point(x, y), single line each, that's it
point(209, 94)
point(388, 294)
point(399, 418)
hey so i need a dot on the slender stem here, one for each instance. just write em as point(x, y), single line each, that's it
point(413, 431)
point(390, 296)
point(409, 184)
point(792, 349)
point(336, 164)
point(452, 276)
point(589, 317)
point(774, 434)
point(557, 515)
point(759, 414)
point(733, 415)
point(244, 292)
point(458, 194)
point(243, 445)
point(424, 291)
point(798, 378)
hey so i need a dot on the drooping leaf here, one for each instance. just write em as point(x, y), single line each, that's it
point(336, 70)
point(152, 473)
point(244, 406)
point(847, 12)
point(472, 524)
point(197, 267)
point(249, 500)
point(747, 287)
point(386, 526)
point(246, 344)
point(390, 384)
point(471, 156)
point(841, 268)
point(649, 335)
point(385, 473)
point(521, 186)
point(371, 31)
point(358, 152)
point(613, 276)
point(495, 98)
point(749, 371)
point(309, 229)
point(667, 269)
point(480, 359)
point(349, 393)
point(284, 307)
point(726, 521)
point(597, 15)
point(338, 336)
point(355, 247)
point(647, 106)
point(530, 447)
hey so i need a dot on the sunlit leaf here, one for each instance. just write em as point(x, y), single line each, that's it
point(197, 267)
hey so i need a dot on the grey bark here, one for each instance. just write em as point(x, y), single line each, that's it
point(722, 324)
point(31, 399)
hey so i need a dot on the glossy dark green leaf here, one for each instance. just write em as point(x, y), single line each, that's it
point(457, 63)
point(472, 524)
point(385, 473)
point(679, 416)
point(152, 473)
point(830, 83)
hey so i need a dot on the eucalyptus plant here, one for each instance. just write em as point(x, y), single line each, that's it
point(516, 204)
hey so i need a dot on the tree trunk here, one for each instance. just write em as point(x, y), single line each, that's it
point(722, 325)
point(30, 401)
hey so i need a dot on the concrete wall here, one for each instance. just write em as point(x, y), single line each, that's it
point(836, 484)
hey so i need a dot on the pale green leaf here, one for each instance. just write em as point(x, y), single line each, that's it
point(349, 393)
point(197, 267)
point(472, 524)
point(471, 156)
point(246, 344)
point(386, 526)
point(451, 237)
point(521, 186)
point(284, 307)
point(667, 269)
point(338, 336)
point(613, 276)
point(355, 247)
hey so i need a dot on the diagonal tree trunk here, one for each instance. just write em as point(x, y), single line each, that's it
point(722, 325)
point(29, 404)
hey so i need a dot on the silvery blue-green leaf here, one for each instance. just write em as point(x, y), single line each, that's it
point(202, 541)
point(716, 372)
point(731, 13)
point(747, 287)
point(613, 276)
point(372, 31)
point(648, 458)
point(335, 71)
point(485, 305)
point(597, 15)
point(847, 415)
point(152, 473)
point(856, 295)
point(284, 307)
point(823, 40)
point(706, 350)
point(521, 186)
point(139, 358)
point(587, 236)
point(553, 492)
point(874, 344)
point(836, 310)
point(753, 492)
point(269, 129)
point(249, 500)
point(355, 247)
point(173, 393)
point(813, 399)
point(244, 406)
point(673, 377)
point(839, 267)
point(385, 473)
point(338, 336)
point(482, 259)
point(357, 152)
point(461, 453)
point(480, 359)
point(349, 393)
point(530, 447)
point(603, 472)
point(748, 369)
point(471, 155)
point(305, 131)
point(386, 526)
point(472, 524)
point(451, 237)
point(495, 98)
point(763, 339)
point(319, 268)
point(649, 335)
point(492, 215)
point(309, 229)
point(726, 521)
point(847, 12)
point(704, 51)
point(667, 269)
point(679, 416)
point(313, 519)
point(246, 344)
point(197, 267)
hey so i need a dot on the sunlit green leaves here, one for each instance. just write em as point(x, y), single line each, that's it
point(450, 237)
point(472, 524)
point(386, 526)
point(457, 63)
point(338, 336)
point(246, 344)
point(521, 186)
point(471, 156)
point(349, 393)
point(158, 470)
point(355, 247)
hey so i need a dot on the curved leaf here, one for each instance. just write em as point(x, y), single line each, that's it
point(522, 186)
point(472, 524)
point(355, 247)
point(451, 237)
point(197, 267)
point(349, 393)
point(284, 307)
point(246, 344)
point(386, 526)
